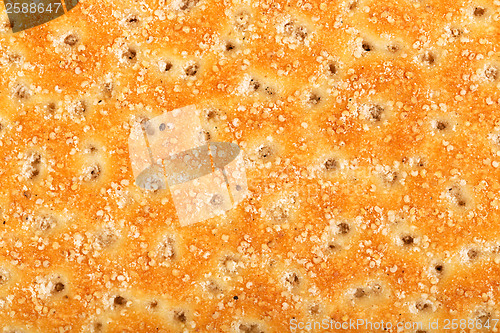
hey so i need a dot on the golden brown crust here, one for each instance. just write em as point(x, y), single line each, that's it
point(371, 142)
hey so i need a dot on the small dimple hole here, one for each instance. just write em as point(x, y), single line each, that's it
point(250, 328)
point(14, 58)
point(483, 317)
point(390, 177)
point(230, 264)
point(149, 129)
point(4, 276)
point(428, 58)
point(331, 247)
point(45, 222)
point(216, 200)
point(301, 33)
point(191, 70)
point(289, 28)
point(213, 287)
point(331, 164)
point(32, 166)
point(242, 20)
point(254, 84)
point(107, 89)
point(292, 279)
point(58, 287)
point(22, 92)
point(343, 228)
point(332, 68)
point(279, 214)
point(98, 327)
point(375, 112)
point(314, 99)
point(212, 114)
point(105, 238)
point(407, 240)
point(441, 125)
point(119, 301)
point(393, 48)
point(314, 309)
point(92, 149)
point(180, 316)
point(51, 107)
point(376, 289)
point(265, 152)
point(188, 4)
point(479, 11)
point(457, 195)
point(9, 24)
point(132, 19)
point(366, 46)
point(271, 244)
point(80, 107)
point(71, 40)
point(205, 135)
point(298, 31)
point(168, 66)
point(92, 173)
point(270, 91)
point(491, 73)
point(472, 254)
point(423, 306)
point(359, 293)
point(230, 46)
point(439, 268)
point(167, 249)
point(456, 32)
point(130, 54)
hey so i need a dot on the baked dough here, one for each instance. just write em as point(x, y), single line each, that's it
point(371, 144)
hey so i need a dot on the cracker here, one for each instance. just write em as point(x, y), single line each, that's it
point(369, 139)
